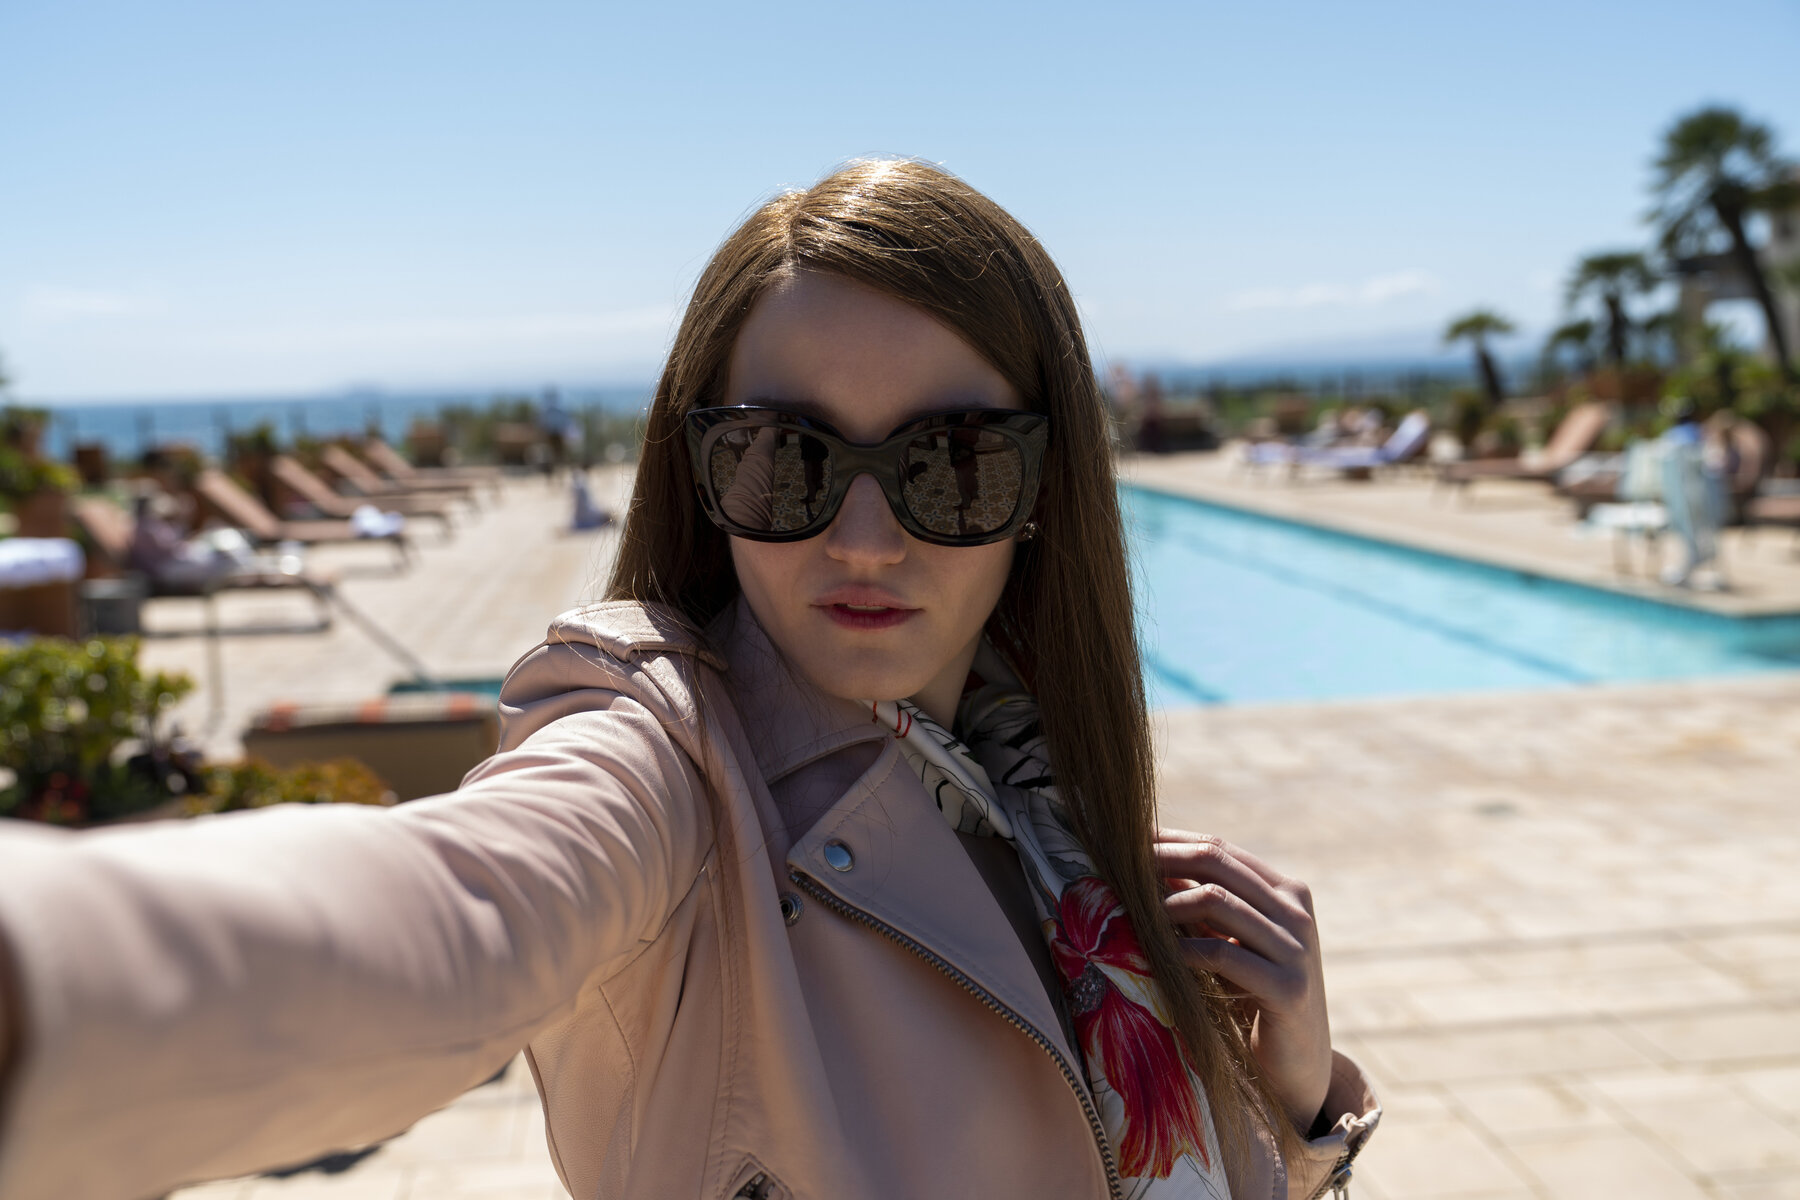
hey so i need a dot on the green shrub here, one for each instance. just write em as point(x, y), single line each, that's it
point(255, 784)
point(66, 710)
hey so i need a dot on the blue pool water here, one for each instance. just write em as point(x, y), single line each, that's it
point(1238, 607)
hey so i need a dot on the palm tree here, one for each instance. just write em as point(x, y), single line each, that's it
point(1577, 336)
point(1612, 277)
point(1662, 334)
point(1717, 169)
point(1477, 327)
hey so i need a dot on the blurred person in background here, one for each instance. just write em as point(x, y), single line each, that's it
point(820, 860)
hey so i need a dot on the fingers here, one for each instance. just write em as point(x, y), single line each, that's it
point(1211, 860)
point(1176, 836)
point(1211, 906)
point(1260, 980)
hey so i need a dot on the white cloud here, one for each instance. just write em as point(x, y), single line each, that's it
point(75, 304)
point(1376, 290)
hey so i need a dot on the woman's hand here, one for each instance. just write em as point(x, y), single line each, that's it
point(1253, 927)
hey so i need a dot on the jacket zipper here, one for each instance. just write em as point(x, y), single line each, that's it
point(1115, 1188)
point(755, 1188)
point(1337, 1180)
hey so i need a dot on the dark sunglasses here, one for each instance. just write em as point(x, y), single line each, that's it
point(952, 479)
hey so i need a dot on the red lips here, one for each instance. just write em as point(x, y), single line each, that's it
point(863, 607)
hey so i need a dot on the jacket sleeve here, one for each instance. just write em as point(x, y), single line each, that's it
point(1350, 1106)
point(205, 998)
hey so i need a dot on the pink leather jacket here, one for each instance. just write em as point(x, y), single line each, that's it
point(831, 1000)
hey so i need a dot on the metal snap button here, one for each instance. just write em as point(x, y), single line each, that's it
point(790, 907)
point(838, 856)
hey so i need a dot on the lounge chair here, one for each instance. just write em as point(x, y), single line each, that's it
point(385, 459)
point(234, 506)
point(290, 474)
point(1574, 436)
point(1407, 442)
point(107, 530)
point(361, 478)
point(1753, 456)
point(1781, 509)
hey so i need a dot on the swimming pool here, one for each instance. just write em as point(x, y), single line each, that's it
point(1237, 607)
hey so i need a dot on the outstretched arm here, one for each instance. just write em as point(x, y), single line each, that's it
point(208, 997)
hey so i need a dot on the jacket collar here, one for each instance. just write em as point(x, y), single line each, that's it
point(907, 872)
point(789, 721)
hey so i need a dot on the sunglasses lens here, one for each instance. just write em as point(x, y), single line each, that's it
point(768, 479)
point(963, 481)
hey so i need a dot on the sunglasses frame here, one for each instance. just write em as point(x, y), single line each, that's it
point(1028, 431)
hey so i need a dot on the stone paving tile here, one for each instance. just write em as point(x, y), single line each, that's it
point(1718, 1038)
point(1704, 1119)
point(1413, 1159)
point(224, 1189)
point(1775, 1188)
point(472, 1130)
point(1467, 1054)
point(488, 1181)
point(1514, 1109)
point(1778, 1088)
point(1584, 1165)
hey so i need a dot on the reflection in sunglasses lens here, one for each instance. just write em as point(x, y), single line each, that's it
point(961, 482)
point(770, 480)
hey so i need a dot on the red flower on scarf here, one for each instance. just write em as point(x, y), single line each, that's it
point(1137, 1053)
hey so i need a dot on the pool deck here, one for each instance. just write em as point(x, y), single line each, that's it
point(1561, 928)
point(1523, 526)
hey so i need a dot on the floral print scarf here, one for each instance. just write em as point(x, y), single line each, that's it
point(996, 782)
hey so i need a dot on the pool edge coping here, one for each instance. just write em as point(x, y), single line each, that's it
point(1717, 604)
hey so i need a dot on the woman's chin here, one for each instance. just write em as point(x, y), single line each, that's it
point(854, 676)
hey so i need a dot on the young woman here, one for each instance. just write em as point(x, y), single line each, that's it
point(820, 861)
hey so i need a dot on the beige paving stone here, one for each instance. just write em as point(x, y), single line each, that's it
point(488, 1181)
point(1467, 1054)
point(1768, 961)
point(472, 1130)
point(1777, 1087)
point(1416, 1159)
point(224, 1189)
point(1372, 1009)
point(1779, 1187)
point(1637, 955)
point(1750, 946)
point(1757, 1034)
point(1471, 1003)
point(1646, 991)
point(1528, 1107)
point(1399, 970)
point(1704, 1119)
point(1583, 1166)
point(1413, 1105)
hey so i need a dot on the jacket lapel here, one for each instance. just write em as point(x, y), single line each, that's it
point(881, 849)
point(884, 852)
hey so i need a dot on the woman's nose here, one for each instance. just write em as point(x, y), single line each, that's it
point(865, 532)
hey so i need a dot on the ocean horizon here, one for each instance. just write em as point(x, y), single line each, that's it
point(127, 427)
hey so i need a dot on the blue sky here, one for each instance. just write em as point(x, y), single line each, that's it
point(209, 199)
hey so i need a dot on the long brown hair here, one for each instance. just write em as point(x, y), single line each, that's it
point(1065, 618)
